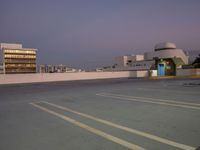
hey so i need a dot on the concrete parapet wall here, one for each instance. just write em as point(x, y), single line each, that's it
point(51, 77)
point(188, 72)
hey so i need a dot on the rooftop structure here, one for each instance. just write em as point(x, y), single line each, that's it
point(165, 58)
point(123, 61)
point(164, 46)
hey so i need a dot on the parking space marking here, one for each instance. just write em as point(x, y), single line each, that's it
point(91, 129)
point(127, 129)
point(152, 100)
point(164, 90)
point(157, 99)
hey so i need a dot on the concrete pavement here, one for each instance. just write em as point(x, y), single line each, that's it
point(101, 114)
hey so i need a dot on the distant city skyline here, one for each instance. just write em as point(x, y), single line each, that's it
point(90, 33)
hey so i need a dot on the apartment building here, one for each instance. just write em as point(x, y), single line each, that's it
point(16, 59)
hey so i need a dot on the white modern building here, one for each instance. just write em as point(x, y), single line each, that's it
point(165, 58)
point(123, 61)
point(168, 50)
point(133, 62)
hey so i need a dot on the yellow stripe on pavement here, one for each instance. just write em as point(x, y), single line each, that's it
point(130, 130)
point(154, 101)
point(91, 129)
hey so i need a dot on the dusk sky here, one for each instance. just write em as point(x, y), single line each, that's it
point(90, 33)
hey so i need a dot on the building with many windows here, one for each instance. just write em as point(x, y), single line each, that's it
point(15, 59)
point(56, 69)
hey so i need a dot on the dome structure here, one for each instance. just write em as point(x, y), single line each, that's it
point(164, 46)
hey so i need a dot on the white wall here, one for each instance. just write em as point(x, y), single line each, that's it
point(139, 58)
point(171, 53)
point(123, 60)
point(188, 72)
point(49, 77)
point(142, 73)
point(142, 65)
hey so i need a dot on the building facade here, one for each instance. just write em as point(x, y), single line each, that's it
point(165, 58)
point(15, 59)
point(56, 69)
point(133, 62)
point(123, 61)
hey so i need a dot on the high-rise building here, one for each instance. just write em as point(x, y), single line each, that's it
point(15, 59)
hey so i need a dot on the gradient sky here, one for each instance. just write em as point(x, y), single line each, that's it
point(90, 33)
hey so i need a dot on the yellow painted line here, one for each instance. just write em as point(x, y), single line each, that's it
point(155, 99)
point(149, 101)
point(91, 129)
point(173, 91)
point(130, 130)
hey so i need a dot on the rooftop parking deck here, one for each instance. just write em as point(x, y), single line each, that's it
point(112, 114)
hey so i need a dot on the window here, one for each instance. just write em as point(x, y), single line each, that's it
point(20, 51)
point(19, 56)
